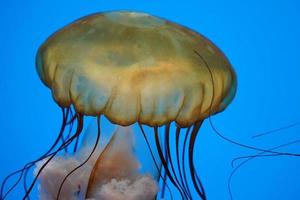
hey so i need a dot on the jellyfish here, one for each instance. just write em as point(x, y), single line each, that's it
point(133, 69)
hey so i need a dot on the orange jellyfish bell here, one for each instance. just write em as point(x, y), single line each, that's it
point(134, 67)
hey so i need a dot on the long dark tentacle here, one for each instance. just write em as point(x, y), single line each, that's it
point(61, 135)
point(76, 144)
point(183, 159)
point(30, 164)
point(154, 160)
point(65, 123)
point(169, 156)
point(262, 150)
point(160, 153)
point(178, 163)
point(72, 117)
point(162, 196)
point(63, 139)
point(276, 130)
point(85, 161)
point(219, 133)
point(248, 146)
point(70, 123)
point(198, 186)
point(68, 142)
point(249, 158)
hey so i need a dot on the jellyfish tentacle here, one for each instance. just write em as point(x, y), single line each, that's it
point(276, 130)
point(154, 160)
point(262, 154)
point(169, 157)
point(70, 123)
point(167, 153)
point(30, 164)
point(85, 161)
point(219, 133)
point(66, 115)
point(160, 153)
point(68, 142)
point(248, 146)
point(52, 155)
point(178, 129)
point(72, 117)
point(198, 186)
point(76, 144)
point(183, 159)
point(249, 158)
point(163, 189)
point(61, 135)
point(162, 196)
point(2, 197)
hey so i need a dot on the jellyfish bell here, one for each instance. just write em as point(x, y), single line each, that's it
point(133, 68)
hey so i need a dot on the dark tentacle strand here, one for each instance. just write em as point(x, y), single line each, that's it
point(23, 172)
point(161, 156)
point(219, 133)
point(76, 144)
point(70, 124)
point(64, 124)
point(85, 161)
point(52, 155)
point(196, 181)
point(179, 167)
point(249, 158)
point(154, 160)
point(162, 196)
point(163, 189)
point(66, 115)
point(183, 158)
point(169, 157)
point(276, 130)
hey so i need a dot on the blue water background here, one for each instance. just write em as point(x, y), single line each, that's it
point(261, 38)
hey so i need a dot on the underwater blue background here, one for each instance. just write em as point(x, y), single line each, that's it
point(261, 38)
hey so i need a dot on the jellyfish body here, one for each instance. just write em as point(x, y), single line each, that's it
point(135, 68)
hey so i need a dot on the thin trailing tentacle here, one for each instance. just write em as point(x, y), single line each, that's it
point(160, 153)
point(262, 150)
point(178, 163)
point(72, 117)
point(61, 135)
point(198, 186)
point(68, 142)
point(85, 161)
point(30, 164)
point(183, 159)
point(169, 156)
point(154, 160)
point(66, 115)
point(162, 196)
point(276, 130)
point(70, 123)
point(76, 144)
point(249, 158)
point(219, 133)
